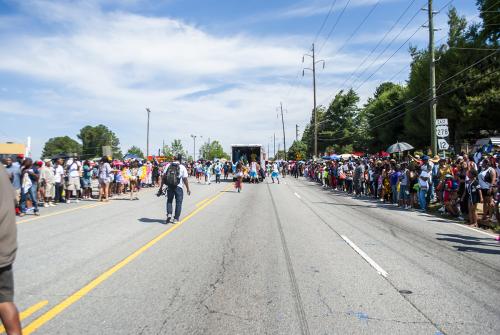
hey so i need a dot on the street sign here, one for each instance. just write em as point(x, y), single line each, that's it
point(441, 122)
point(442, 144)
point(442, 131)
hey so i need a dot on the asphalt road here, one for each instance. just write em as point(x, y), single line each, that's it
point(276, 259)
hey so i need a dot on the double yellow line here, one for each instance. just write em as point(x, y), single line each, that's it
point(54, 311)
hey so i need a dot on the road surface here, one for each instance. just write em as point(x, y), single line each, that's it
point(276, 259)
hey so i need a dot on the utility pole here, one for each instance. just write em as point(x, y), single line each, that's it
point(147, 136)
point(274, 139)
point(296, 132)
point(315, 115)
point(432, 77)
point(194, 147)
point(283, 124)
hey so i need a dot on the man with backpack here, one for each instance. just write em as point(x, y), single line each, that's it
point(175, 177)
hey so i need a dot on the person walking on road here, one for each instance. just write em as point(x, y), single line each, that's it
point(238, 184)
point(175, 178)
point(275, 172)
point(8, 248)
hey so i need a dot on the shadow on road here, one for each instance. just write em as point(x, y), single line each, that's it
point(148, 220)
point(471, 243)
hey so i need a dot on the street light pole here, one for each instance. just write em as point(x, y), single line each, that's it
point(315, 115)
point(283, 124)
point(194, 147)
point(147, 136)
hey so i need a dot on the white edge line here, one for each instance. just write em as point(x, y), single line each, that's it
point(474, 229)
point(297, 195)
point(367, 258)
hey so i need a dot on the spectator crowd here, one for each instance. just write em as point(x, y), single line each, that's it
point(455, 185)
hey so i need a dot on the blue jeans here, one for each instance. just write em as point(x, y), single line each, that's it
point(404, 195)
point(395, 195)
point(32, 193)
point(422, 198)
point(178, 193)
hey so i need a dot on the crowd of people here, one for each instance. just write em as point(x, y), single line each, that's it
point(52, 182)
point(456, 185)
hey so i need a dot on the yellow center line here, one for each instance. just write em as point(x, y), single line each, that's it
point(53, 312)
point(61, 212)
point(202, 202)
point(28, 312)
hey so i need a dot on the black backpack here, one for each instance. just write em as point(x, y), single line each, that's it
point(172, 177)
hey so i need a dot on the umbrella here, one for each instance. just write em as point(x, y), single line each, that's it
point(347, 156)
point(335, 157)
point(326, 158)
point(399, 147)
point(130, 156)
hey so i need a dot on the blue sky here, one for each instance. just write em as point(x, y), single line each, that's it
point(217, 69)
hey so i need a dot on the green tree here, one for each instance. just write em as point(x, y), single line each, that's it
point(382, 112)
point(280, 154)
point(61, 145)
point(94, 138)
point(212, 151)
point(178, 149)
point(167, 152)
point(338, 128)
point(135, 151)
point(298, 151)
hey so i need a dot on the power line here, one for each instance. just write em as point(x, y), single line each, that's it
point(404, 111)
point(356, 29)
point(334, 25)
point(394, 53)
point(325, 20)
point(387, 46)
point(438, 86)
point(379, 42)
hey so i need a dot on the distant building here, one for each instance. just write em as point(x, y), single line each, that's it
point(12, 150)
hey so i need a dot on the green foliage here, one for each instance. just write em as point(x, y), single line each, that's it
point(61, 145)
point(135, 151)
point(280, 154)
point(94, 138)
point(212, 151)
point(167, 152)
point(298, 151)
point(178, 149)
point(383, 128)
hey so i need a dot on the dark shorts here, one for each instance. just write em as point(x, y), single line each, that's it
point(6, 284)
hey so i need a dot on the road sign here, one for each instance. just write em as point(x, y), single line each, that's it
point(442, 131)
point(441, 122)
point(442, 144)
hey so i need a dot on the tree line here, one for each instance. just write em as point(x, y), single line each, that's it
point(467, 91)
point(94, 138)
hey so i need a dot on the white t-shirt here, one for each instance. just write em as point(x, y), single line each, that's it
point(58, 173)
point(183, 173)
point(74, 169)
point(481, 178)
point(424, 183)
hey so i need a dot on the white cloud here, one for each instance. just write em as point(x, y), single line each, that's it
point(107, 67)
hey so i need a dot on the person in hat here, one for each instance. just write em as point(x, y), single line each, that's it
point(48, 180)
